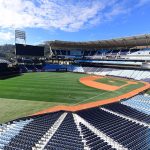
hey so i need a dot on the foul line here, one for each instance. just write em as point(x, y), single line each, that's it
point(91, 98)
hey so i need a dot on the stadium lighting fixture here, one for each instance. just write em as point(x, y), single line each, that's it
point(20, 36)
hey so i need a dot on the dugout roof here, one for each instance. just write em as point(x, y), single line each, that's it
point(126, 42)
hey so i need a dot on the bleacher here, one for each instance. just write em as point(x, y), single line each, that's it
point(113, 126)
point(30, 65)
point(23, 68)
point(129, 134)
point(7, 71)
point(139, 102)
point(123, 108)
point(124, 52)
point(74, 68)
point(124, 73)
point(92, 140)
point(67, 136)
point(31, 131)
point(53, 67)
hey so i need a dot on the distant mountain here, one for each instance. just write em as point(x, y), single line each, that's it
point(7, 51)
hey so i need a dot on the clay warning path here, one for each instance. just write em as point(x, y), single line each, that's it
point(90, 81)
point(97, 103)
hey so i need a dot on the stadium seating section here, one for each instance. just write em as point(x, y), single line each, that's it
point(119, 125)
point(124, 73)
point(137, 74)
point(123, 53)
point(6, 71)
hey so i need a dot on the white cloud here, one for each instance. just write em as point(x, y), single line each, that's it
point(65, 15)
point(115, 11)
point(6, 36)
point(46, 14)
point(143, 2)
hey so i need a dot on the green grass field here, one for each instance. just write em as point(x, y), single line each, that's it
point(32, 92)
point(148, 92)
point(112, 81)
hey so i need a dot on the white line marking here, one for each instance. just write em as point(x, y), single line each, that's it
point(91, 98)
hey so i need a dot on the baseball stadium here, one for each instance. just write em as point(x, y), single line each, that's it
point(74, 74)
point(84, 95)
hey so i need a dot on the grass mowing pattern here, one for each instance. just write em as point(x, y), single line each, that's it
point(43, 90)
point(112, 81)
point(50, 87)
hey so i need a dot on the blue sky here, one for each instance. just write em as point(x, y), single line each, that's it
point(73, 20)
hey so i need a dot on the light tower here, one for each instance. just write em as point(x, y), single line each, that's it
point(20, 37)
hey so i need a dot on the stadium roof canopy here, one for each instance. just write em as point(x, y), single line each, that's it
point(126, 42)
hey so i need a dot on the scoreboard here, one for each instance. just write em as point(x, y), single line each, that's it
point(29, 50)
